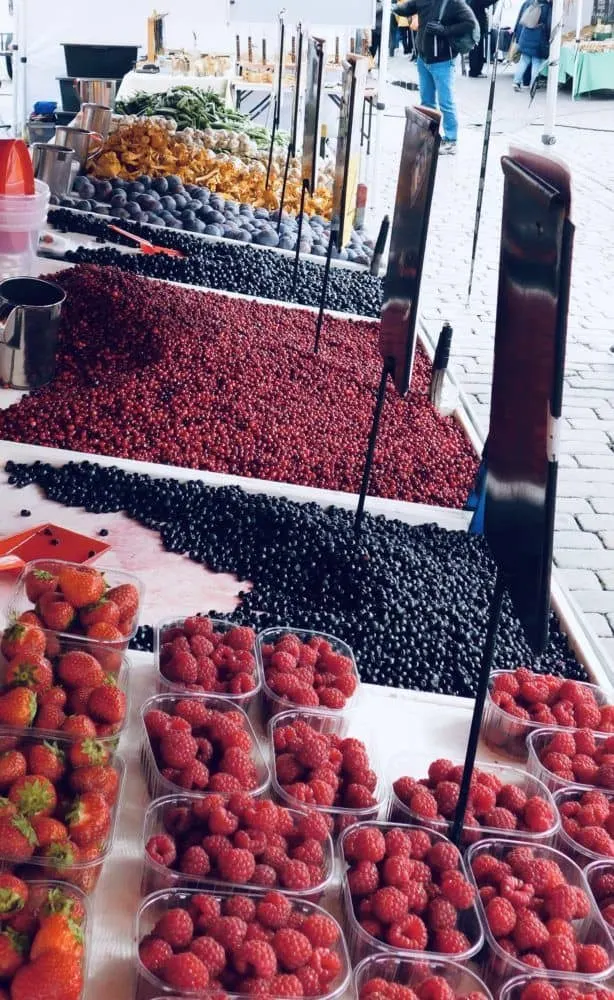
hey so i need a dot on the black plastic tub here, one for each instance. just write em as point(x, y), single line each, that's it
point(105, 61)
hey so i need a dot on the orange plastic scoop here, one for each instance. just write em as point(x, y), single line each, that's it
point(145, 245)
point(16, 171)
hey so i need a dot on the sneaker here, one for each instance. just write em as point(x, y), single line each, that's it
point(517, 88)
point(448, 148)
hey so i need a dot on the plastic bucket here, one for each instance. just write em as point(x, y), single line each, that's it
point(22, 218)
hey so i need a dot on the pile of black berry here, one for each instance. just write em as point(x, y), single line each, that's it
point(227, 266)
point(412, 602)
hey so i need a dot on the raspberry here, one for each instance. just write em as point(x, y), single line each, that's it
point(389, 904)
point(603, 885)
point(185, 972)
point(359, 797)
point(584, 769)
point(585, 742)
point(506, 681)
point(596, 839)
point(310, 981)
point(451, 942)
point(446, 795)
point(423, 804)
point(441, 915)
point(419, 872)
point(215, 845)
point(539, 990)
point(264, 876)
point(204, 911)
point(310, 851)
point(583, 905)
point(161, 849)
point(435, 988)
point(538, 815)
point(211, 954)
point(513, 798)
point(240, 906)
point(482, 799)
point(559, 953)
point(293, 948)
point(398, 842)
point(255, 958)
point(420, 843)
point(176, 927)
point(157, 724)
point(313, 824)
point(443, 856)
point(327, 964)
point(236, 864)
point(417, 896)
point(500, 819)
point(440, 770)
point(274, 910)
point(409, 933)
point(485, 869)
point(229, 932)
point(154, 952)
point(501, 917)
point(592, 958)
point(332, 697)
point(530, 934)
point(557, 925)
point(544, 875)
point(518, 893)
point(365, 844)
point(397, 871)
point(178, 749)
point(404, 788)
point(530, 958)
point(558, 763)
point(284, 986)
point(457, 890)
point(295, 875)
point(321, 930)
point(195, 861)
point(240, 637)
point(561, 902)
point(363, 878)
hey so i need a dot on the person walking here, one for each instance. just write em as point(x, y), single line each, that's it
point(478, 55)
point(532, 39)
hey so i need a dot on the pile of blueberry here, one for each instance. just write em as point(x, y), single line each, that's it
point(226, 266)
point(165, 201)
point(412, 602)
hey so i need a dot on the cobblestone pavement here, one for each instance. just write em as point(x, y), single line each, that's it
point(584, 542)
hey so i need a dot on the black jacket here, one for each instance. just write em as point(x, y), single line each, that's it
point(458, 19)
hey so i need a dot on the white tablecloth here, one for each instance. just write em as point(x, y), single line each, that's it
point(158, 83)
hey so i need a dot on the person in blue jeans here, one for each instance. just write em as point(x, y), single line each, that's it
point(436, 57)
point(532, 37)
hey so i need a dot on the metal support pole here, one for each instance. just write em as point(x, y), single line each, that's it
point(548, 136)
point(331, 243)
point(299, 234)
point(366, 475)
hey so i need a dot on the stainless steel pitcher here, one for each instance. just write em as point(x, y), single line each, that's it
point(57, 166)
point(86, 145)
point(96, 118)
point(30, 312)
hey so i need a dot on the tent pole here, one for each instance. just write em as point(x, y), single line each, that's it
point(548, 136)
point(382, 73)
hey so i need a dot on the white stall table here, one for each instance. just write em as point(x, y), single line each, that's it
point(158, 83)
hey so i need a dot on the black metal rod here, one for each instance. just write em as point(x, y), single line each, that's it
point(299, 234)
point(329, 255)
point(480, 698)
point(284, 184)
point(271, 148)
point(366, 475)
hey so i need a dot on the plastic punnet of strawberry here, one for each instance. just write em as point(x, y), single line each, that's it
point(238, 943)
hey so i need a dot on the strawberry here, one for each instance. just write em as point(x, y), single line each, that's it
point(57, 932)
point(55, 695)
point(12, 951)
point(38, 582)
point(86, 876)
point(81, 585)
point(79, 726)
point(80, 669)
point(22, 639)
point(57, 614)
point(89, 820)
point(88, 752)
point(103, 611)
point(60, 858)
point(107, 703)
point(126, 597)
point(49, 831)
point(50, 718)
point(101, 778)
point(34, 795)
point(48, 760)
point(30, 618)
point(77, 702)
point(13, 765)
point(13, 895)
point(103, 632)
point(64, 901)
point(27, 670)
point(17, 838)
point(54, 975)
point(17, 707)
point(7, 809)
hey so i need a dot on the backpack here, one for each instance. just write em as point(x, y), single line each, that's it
point(532, 15)
point(460, 45)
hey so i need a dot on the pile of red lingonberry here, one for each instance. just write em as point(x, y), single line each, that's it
point(588, 818)
point(491, 802)
point(243, 840)
point(197, 655)
point(68, 694)
point(541, 989)
point(311, 674)
point(199, 747)
point(601, 882)
point(430, 988)
point(266, 946)
point(580, 756)
point(531, 911)
point(323, 769)
point(163, 374)
point(550, 700)
point(408, 888)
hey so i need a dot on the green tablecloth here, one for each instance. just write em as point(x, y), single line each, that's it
point(588, 70)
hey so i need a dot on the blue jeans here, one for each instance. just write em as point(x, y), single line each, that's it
point(523, 64)
point(437, 88)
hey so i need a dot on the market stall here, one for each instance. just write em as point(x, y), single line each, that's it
point(157, 83)
point(589, 65)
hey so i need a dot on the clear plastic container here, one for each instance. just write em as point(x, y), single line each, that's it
point(504, 733)
point(157, 784)
point(274, 703)
point(121, 675)
point(583, 856)
point(156, 877)
point(405, 762)
point(244, 701)
point(340, 817)
point(19, 603)
point(22, 219)
point(84, 874)
point(513, 989)
point(498, 965)
point(361, 944)
point(155, 906)
point(592, 873)
point(397, 968)
point(537, 741)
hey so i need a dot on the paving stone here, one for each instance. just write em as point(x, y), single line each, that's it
point(576, 540)
point(602, 504)
point(596, 522)
point(597, 559)
point(582, 579)
point(599, 624)
point(601, 601)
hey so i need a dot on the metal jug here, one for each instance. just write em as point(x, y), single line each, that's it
point(56, 165)
point(30, 312)
point(96, 118)
point(86, 145)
